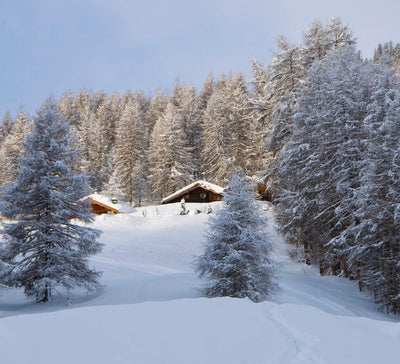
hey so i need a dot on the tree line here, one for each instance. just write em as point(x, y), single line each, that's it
point(319, 125)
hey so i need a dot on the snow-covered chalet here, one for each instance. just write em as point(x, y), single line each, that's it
point(103, 205)
point(199, 191)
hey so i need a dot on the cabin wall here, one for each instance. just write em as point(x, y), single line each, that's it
point(198, 195)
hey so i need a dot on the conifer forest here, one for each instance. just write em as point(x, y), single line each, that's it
point(319, 126)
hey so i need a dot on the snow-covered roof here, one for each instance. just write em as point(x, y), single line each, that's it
point(104, 200)
point(200, 183)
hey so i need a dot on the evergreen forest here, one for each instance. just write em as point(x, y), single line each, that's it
point(319, 126)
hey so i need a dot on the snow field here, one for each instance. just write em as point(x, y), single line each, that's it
point(151, 312)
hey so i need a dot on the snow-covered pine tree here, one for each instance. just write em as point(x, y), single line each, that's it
point(5, 126)
point(186, 102)
point(260, 108)
point(227, 128)
point(130, 160)
point(288, 72)
point(239, 124)
point(371, 244)
point(94, 136)
point(339, 35)
point(68, 108)
point(156, 108)
point(103, 132)
point(319, 167)
point(286, 75)
point(216, 162)
point(206, 92)
point(391, 52)
point(10, 149)
point(202, 102)
point(320, 40)
point(278, 103)
point(171, 159)
point(44, 250)
point(237, 261)
point(83, 134)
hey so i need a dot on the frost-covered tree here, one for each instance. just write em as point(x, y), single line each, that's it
point(206, 92)
point(339, 35)
point(10, 149)
point(239, 123)
point(156, 108)
point(237, 261)
point(83, 120)
point(44, 250)
point(275, 103)
point(371, 243)
point(171, 163)
point(278, 87)
point(261, 106)
point(130, 159)
point(5, 126)
point(286, 75)
point(68, 108)
point(216, 161)
point(185, 100)
point(319, 167)
point(390, 53)
point(227, 129)
point(319, 40)
point(288, 71)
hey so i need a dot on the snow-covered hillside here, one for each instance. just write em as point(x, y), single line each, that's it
point(151, 312)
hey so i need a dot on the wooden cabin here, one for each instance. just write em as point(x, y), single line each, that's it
point(199, 191)
point(103, 205)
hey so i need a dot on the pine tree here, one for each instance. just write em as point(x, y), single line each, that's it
point(236, 261)
point(370, 245)
point(286, 75)
point(68, 108)
point(216, 161)
point(320, 40)
point(206, 92)
point(130, 160)
point(156, 108)
point(261, 104)
point(339, 35)
point(185, 100)
point(44, 250)
point(239, 124)
point(103, 131)
point(10, 149)
point(83, 117)
point(319, 167)
point(227, 128)
point(171, 159)
point(390, 53)
point(5, 126)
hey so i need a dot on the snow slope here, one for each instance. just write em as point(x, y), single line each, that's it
point(151, 312)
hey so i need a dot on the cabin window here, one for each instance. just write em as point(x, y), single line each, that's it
point(203, 195)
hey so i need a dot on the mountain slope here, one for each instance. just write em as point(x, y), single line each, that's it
point(151, 312)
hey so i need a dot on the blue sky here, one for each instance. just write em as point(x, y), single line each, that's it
point(49, 47)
